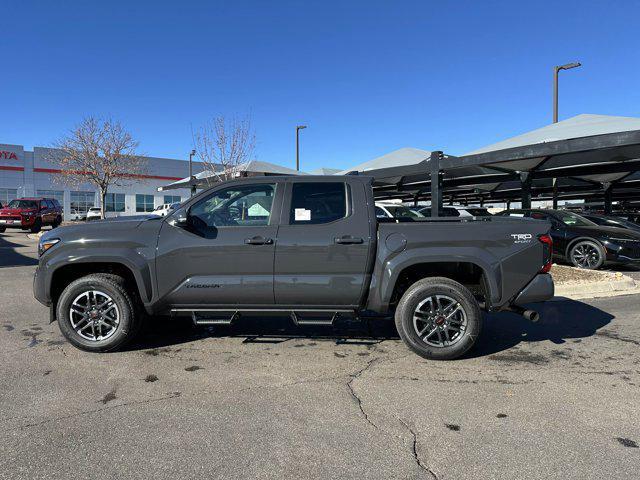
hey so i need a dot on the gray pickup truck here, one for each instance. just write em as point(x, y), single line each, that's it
point(310, 247)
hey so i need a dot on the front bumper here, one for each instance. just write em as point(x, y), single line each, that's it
point(14, 222)
point(539, 289)
point(39, 287)
point(622, 253)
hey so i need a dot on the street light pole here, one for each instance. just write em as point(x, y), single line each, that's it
point(298, 128)
point(193, 187)
point(557, 69)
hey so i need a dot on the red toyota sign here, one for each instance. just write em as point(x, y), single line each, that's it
point(8, 155)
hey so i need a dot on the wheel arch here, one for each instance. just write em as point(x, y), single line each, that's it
point(573, 242)
point(397, 277)
point(62, 276)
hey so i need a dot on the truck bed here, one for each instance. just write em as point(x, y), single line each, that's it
point(506, 250)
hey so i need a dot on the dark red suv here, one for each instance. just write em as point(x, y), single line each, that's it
point(31, 214)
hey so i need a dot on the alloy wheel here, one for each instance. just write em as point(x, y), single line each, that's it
point(94, 315)
point(585, 255)
point(440, 321)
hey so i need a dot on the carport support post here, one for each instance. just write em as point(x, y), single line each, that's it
point(608, 197)
point(555, 193)
point(436, 184)
point(525, 181)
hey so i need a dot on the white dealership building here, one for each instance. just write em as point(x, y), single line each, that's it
point(25, 173)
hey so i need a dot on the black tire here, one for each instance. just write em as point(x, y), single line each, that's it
point(56, 222)
point(3, 229)
point(424, 291)
point(130, 318)
point(37, 226)
point(587, 254)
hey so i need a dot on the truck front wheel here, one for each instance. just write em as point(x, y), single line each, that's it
point(97, 314)
point(438, 318)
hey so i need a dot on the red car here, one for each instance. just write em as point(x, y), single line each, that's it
point(31, 214)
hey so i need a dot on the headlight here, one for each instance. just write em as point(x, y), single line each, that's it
point(27, 214)
point(45, 245)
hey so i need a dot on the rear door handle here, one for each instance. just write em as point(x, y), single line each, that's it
point(348, 240)
point(258, 241)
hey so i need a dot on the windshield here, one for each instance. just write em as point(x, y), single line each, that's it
point(573, 220)
point(23, 204)
point(401, 211)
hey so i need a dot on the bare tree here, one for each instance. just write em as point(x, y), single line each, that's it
point(224, 145)
point(99, 152)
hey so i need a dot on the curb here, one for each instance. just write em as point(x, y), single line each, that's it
point(579, 291)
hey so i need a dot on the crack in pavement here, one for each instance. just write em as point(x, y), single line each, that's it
point(170, 396)
point(414, 447)
point(356, 397)
point(414, 451)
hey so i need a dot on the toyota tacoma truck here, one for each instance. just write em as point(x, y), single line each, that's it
point(310, 247)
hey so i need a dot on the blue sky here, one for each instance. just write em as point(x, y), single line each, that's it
point(367, 77)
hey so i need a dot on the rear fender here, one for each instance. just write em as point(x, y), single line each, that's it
point(388, 272)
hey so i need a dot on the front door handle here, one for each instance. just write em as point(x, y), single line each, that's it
point(348, 240)
point(258, 241)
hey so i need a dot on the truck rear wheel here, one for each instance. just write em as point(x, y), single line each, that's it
point(97, 314)
point(438, 318)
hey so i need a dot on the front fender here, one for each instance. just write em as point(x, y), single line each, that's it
point(134, 259)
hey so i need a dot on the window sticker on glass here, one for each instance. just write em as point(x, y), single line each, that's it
point(257, 210)
point(302, 215)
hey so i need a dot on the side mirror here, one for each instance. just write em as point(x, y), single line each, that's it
point(179, 218)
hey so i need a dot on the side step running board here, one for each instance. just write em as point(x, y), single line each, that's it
point(227, 317)
point(314, 321)
point(200, 319)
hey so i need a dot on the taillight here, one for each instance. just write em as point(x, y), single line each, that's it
point(547, 252)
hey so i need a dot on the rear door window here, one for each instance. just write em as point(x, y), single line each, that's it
point(317, 203)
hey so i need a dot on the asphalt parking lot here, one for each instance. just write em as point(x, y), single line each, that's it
point(262, 399)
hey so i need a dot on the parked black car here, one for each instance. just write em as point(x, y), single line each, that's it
point(584, 243)
point(610, 221)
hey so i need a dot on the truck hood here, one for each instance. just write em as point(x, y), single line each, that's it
point(111, 228)
point(16, 211)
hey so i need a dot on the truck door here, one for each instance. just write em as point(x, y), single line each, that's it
point(323, 244)
point(223, 255)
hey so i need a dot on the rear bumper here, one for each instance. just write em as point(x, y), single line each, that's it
point(539, 289)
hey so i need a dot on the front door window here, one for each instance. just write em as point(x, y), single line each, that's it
point(240, 206)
